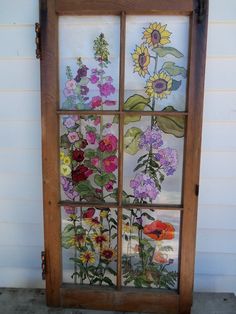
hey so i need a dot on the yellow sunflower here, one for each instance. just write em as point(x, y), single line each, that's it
point(159, 85)
point(87, 257)
point(156, 34)
point(108, 254)
point(99, 239)
point(141, 59)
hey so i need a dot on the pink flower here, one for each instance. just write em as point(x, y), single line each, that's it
point(95, 161)
point(106, 89)
point(109, 186)
point(71, 84)
point(94, 79)
point(73, 137)
point(91, 137)
point(69, 123)
point(110, 164)
point(97, 121)
point(110, 102)
point(108, 143)
point(96, 102)
point(68, 92)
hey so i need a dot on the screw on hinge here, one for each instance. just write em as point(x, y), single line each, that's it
point(43, 265)
point(197, 190)
point(200, 10)
point(37, 41)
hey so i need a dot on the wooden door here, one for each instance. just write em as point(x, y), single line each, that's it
point(122, 92)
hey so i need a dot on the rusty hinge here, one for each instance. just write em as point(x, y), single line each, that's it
point(37, 41)
point(200, 10)
point(43, 264)
point(197, 190)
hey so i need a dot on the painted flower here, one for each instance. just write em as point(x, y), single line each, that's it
point(91, 137)
point(81, 173)
point(108, 143)
point(97, 121)
point(94, 78)
point(69, 123)
point(109, 186)
point(89, 213)
point(96, 102)
point(82, 72)
point(62, 156)
point(160, 258)
point(168, 159)
point(151, 137)
point(141, 60)
point(78, 155)
point(70, 210)
point(106, 89)
point(110, 164)
point(73, 137)
point(65, 170)
point(108, 254)
point(84, 90)
point(68, 188)
point(67, 160)
point(158, 230)
point(87, 257)
point(95, 161)
point(68, 92)
point(93, 222)
point(80, 239)
point(104, 213)
point(99, 239)
point(83, 144)
point(71, 84)
point(159, 85)
point(110, 102)
point(144, 187)
point(156, 34)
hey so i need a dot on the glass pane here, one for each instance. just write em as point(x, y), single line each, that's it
point(89, 62)
point(153, 159)
point(89, 158)
point(150, 248)
point(89, 245)
point(156, 63)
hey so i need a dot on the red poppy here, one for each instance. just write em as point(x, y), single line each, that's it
point(89, 213)
point(159, 230)
point(78, 155)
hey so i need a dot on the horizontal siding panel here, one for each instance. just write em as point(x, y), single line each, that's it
point(217, 217)
point(19, 12)
point(218, 165)
point(21, 277)
point(217, 192)
point(220, 106)
point(13, 187)
point(20, 106)
point(21, 211)
point(17, 42)
point(20, 135)
point(223, 31)
point(219, 137)
point(215, 264)
point(208, 283)
point(21, 234)
point(19, 74)
point(29, 162)
point(220, 74)
point(222, 10)
point(216, 241)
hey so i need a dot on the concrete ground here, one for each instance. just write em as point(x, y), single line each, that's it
point(32, 301)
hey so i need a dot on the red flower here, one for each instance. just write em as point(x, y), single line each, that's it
point(89, 213)
point(110, 164)
point(108, 143)
point(96, 102)
point(159, 230)
point(81, 173)
point(78, 155)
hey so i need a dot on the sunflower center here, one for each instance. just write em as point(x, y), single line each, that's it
point(159, 86)
point(155, 37)
point(107, 254)
point(142, 60)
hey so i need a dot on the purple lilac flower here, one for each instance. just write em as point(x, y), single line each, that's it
point(168, 159)
point(151, 137)
point(144, 187)
point(69, 123)
point(106, 89)
point(68, 188)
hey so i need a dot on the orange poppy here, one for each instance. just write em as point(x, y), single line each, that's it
point(159, 230)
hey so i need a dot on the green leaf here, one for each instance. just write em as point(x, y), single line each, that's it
point(84, 81)
point(172, 69)
point(89, 153)
point(163, 51)
point(84, 188)
point(108, 281)
point(175, 85)
point(131, 140)
point(101, 180)
point(170, 124)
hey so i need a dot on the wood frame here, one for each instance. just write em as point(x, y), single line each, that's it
point(121, 299)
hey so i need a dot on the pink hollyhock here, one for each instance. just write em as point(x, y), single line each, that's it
point(71, 84)
point(91, 137)
point(68, 92)
point(96, 102)
point(110, 164)
point(94, 79)
point(108, 143)
point(69, 123)
point(106, 89)
point(95, 161)
point(109, 186)
point(110, 102)
point(97, 121)
point(73, 137)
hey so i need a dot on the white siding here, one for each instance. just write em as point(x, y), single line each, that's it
point(21, 222)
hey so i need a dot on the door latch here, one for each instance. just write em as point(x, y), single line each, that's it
point(43, 265)
point(37, 41)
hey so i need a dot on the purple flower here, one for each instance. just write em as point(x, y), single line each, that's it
point(168, 159)
point(70, 210)
point(68, 92)
point(151, 137)
point(82, 72)
point(68, 188)
point(106, 89)
point(84, 90)
point(73, 137)
point(94, 79)
point(144, 187)
point(69, 123)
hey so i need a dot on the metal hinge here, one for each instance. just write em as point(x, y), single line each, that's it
point(38, 41)
point(43, 264)
point(200, 10)
point(197, 190)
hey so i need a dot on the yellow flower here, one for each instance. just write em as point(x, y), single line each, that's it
point(104, 213)
point(159, 85)
point(67, 160)
point(108, 254)
point(87, 257)
point(62, 156)
point(65, 170)
point(93, 222)
point(99, 239)
point(141, 59)
point(156, 34)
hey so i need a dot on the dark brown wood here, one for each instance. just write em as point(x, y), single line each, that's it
point(76, 7)
point(197, 58)
point(126, 300)
point(131, 113)
point(49, 96)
